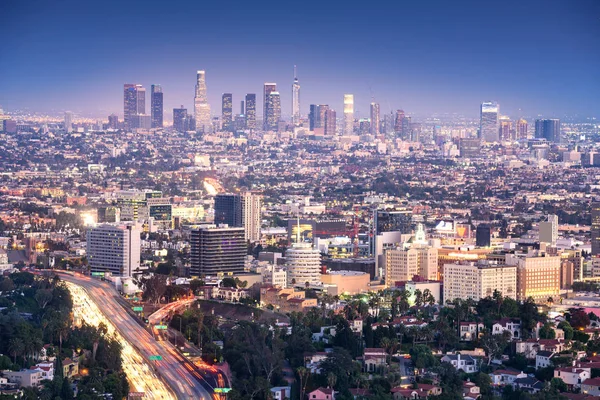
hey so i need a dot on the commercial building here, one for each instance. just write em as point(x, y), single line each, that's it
point(347, 282)
point(134, 103)
point(375, 117)
point(250, 113)
point(595, 230)
point(227, 112)
point(521, 129)
point(156, 106)
point(488, 122)
point(477, 280)
point(403, 264)
point(303, 265)
point(548, 129)
point(285, 300)
point(268, 88)
point(201, 106)
point(240, 210)
point(348, 114)
point(549, 230)
point(273, 112)
point(114, 248)
point(538, 275)
point(483, 236)
point(179, 119)
point(469, 147)
point(217, 250)
point(68, 124)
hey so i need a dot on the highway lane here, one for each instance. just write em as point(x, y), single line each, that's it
point(173, 368)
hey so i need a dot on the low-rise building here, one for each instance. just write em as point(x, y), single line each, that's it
point(285, 300)
point(347, 282)
point(467, 364)
point(502, 377)
point(591, 386)
point(25, 377)
point(573, 376)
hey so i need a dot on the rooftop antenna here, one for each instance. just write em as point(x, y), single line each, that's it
point(295, 71)
point(298, 229)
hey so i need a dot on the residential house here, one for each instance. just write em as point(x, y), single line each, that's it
point(471, 391)
point(591, 386)
point(356, 325)
point(70, 367)
point(313, 361)
point(322, 394)
point(527, 384)
point(24, 378)
point(542, 359)
point(422, 391)
point(530, 347)
point(468, 364)
point(502, 377)
point(46, 368)
point(470, 330)
point(281, 392)
point(510, 325)
point(374, 359)
point(326, 333)
point(573, 376)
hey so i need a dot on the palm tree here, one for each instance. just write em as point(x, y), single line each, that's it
point(331, 380)
point(303, 374)
point(15, 348)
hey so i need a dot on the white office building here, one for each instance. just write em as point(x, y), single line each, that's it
point(469, 280)
point(303, 264)
point(114, 249)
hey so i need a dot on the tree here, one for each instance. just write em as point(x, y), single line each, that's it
point(579, 319)
point(422, 357)
point(547, 331)
point(154, 288)
point(16, 348)
point(196, 284)
point(228, 282)
point(303, 375)
point(494, 345)
point(567, 329)
point(43, 297)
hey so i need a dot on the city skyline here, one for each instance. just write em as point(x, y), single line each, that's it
point(411, 72)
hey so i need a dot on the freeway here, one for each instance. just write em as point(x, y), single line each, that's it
point(182, 376)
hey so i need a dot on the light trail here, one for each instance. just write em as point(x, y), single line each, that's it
point(139, 374)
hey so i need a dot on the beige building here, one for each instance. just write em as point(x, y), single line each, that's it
point(470, 280)
point(402, 264)
point(538, 276)
point(285, 300)
point(347, 282)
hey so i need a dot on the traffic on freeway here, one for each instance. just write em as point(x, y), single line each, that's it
point(158, 359)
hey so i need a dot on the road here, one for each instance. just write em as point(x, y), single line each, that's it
point(181, 375)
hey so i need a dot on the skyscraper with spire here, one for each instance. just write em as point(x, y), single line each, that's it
point(201, 106)
point(295, 100)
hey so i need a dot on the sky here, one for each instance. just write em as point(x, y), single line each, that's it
point(534, 57)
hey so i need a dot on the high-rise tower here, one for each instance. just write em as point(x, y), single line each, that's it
point(488, 122)
point(548, 129)
point(348, 114)
point(227, 111)
point(295, 100)
point(267, 90)
point(250, 111)
point(134, 104)
point(68, 122)
point(374, 118)
point(156, 106)
point(273, 108)
point(201, 106)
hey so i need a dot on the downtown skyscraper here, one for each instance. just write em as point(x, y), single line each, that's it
point(201, 106)
point(375, 117)
point(489, 130)
point(227, 111)
point(348, 114)
point(296, 100)
point(250, 113)
point(267, 90)
point(134, 104)
point(548, 129)
point(156, 106)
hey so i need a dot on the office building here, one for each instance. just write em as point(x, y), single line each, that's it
point(478, 280)
point(507, 133)
point(329, 125)
point(303, 265)
point(375, 116)
point(227, 112)
point(201, 106)
point(268, 88)
point(399, 123)
point(296, 100)
point(549, 230)
point(348, 114)
point(114, 248)
point(156, 106)
point(143, 121)
point(240, 210)
point(68, 124)
point(595, 229)
point(134, 103)
point(403, 264)
point(483, 236)
point(538, 276)
point(113, 121)
point(179, 119)
point(273, 112)
point(250, 111)
point(548, 129)
point(217, 250)
point(393, 221)
point(488, 122)
point(521, 129)
point(469, 147)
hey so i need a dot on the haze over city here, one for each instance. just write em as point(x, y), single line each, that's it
point(532, 57)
